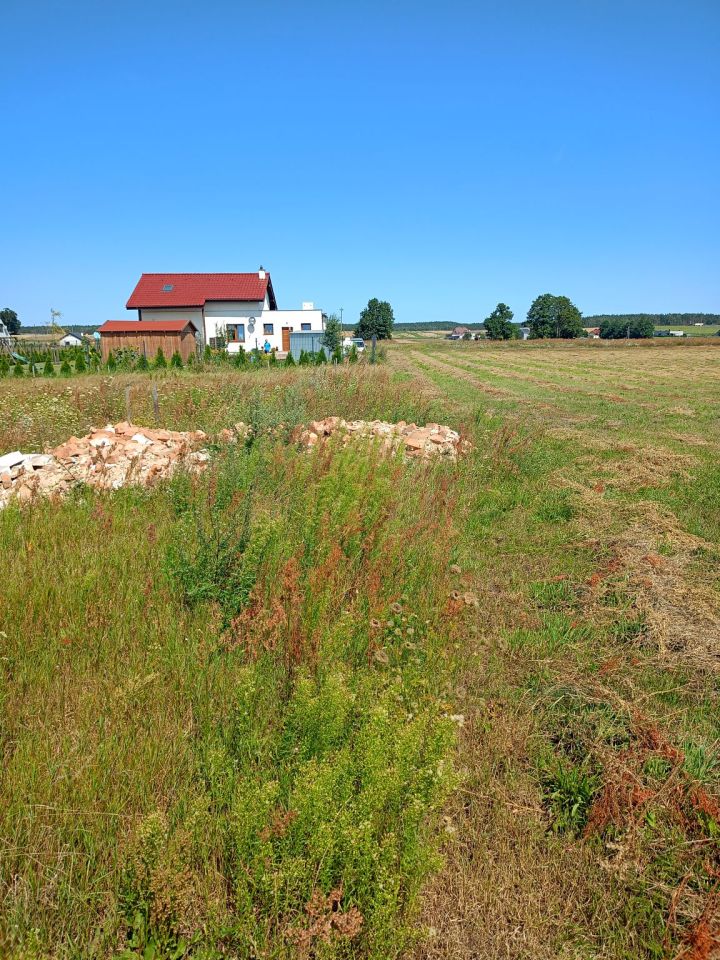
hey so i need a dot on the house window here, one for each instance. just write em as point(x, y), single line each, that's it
point(235, 332)
point(306, 326)
point(268, 329)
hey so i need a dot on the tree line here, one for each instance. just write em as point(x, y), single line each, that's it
point(658, 319)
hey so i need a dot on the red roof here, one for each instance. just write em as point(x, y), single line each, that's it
point(195, 289)
point(145, 326)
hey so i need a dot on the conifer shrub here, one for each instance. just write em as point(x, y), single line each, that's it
point(49, 368)
point(353, 355)
point(4, 365)
point(289, 360)
point(18, 370)
point(65, 368)
point(240, 358)
point(80, 365)
point(305, 359)
point(111, 364)
point(176, 361)
point(320, 357)
point(160, 362)
point(143, 363)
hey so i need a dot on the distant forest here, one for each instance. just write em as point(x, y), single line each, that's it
point(659, 319)
point(438, 325)
point(67, 327)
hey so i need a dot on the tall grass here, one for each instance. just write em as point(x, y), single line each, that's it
point(224, 724)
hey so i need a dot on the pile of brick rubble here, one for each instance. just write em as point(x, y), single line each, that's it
point(432, 440)
point(110, 458)
point(123, 453)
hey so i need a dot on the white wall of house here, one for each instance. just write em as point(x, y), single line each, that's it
point(252, 327)
point(240, 318)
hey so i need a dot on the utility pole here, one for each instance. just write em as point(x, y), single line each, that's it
point(341, 325)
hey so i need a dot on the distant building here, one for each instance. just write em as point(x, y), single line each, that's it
point(71, 340)
point(230, 309)
point(458, 333)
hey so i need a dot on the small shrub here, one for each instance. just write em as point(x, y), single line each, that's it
point(160, 363)
point(4, 365)
point(289, 360)
point(240, 358)
point(353, 356)
point(65, 368)
point(142, 363)
point(80, 365)
point(49, 368)
point(176, 361)
point(207, 354)
point(305, 359)
point(321, 357)
point(111, 364)
point(569, 792)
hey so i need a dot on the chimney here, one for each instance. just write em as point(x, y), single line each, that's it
point(261, 273)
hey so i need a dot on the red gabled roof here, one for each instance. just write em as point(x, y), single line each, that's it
point(195, 289)
point(145, 326)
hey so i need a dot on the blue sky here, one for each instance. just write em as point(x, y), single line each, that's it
point(442, 156)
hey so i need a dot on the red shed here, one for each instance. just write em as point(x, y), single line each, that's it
point(149, 336)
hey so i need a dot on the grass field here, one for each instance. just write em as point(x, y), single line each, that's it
point(329, 705)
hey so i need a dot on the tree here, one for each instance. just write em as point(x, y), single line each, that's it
point(10, 319)
point(377, 318)
point(551, 316)
point(499, 325)
point(621, 328)
point(332, 337)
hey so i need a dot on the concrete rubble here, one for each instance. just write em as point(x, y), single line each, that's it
point(432, 440)
point(107, 459)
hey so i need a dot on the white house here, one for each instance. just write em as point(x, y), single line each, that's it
point(239, 308)
point(71, 340)
point(4, 333)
